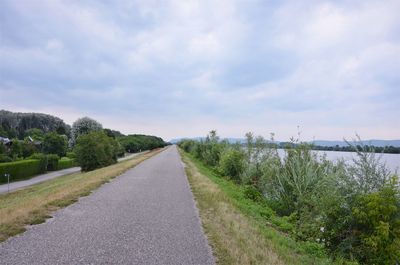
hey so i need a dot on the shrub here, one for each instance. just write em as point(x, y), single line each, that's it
point(20, 169)
point(71, 155)
point(65, 162)
point(368, 229)
point(54, 143)
point(52, 162)
point(5, 158)
point(42, 160)
point(232, 163)
point(95, 150)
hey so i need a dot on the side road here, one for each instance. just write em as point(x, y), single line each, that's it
point(145, 216)
point(51, 175)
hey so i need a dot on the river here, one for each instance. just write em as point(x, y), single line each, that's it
point(392, 161)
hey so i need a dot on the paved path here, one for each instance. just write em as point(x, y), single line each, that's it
point(145, 216)
point(55, 174)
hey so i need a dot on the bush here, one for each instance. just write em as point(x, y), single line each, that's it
point(52, 162)
point(233, 163)
point(54, 143)
point(95, 150)
point(5, 158)
point(71, 155)
point(20, 170)
point(65, 162)
point(42, 159)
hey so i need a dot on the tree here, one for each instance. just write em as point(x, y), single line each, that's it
point(82, 126)
point(94, 150)
point(54, 143)
point(35, 133)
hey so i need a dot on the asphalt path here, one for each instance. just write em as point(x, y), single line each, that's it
point(145, 216)
point(4, 188)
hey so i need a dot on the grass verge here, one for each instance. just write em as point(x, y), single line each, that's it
point(237, 227)
point(33, 205)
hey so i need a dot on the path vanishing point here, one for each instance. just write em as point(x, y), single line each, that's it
point(145, 216)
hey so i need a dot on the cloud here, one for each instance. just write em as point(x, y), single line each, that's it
point(181, 68)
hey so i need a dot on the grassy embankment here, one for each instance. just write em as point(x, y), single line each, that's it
point(236, 227)
point(34, 204)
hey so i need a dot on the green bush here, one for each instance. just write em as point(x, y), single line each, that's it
point(42, 159)
point(54, 143)
point(71, 155)
point(233, 163)
point(95, 150)
point(65, 162)
point(52, 162)
point(5, 158)
point(20, 170)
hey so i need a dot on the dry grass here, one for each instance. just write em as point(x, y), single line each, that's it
point(34, 205)
point(234, 237)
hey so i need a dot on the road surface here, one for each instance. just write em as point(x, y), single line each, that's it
point(145, 216)
point(4, 188)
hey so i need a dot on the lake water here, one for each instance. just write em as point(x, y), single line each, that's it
point(392, 161)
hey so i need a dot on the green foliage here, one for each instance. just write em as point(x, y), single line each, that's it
point(369, 227)
point(54, 143)
point(28, 148)
point(42, 158)
point(16, 124)
point(252, 193)
point(71, 155)
point(20, 170)
point(83, 126)
point(94, 150)
point(232, 163)
point(136, 143)
point(65, 162)
point(351, 210)
point(52, 162)
point(35, 133)
point(5, 158)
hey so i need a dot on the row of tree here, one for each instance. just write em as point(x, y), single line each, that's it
point(86, 140)
point(351, 209)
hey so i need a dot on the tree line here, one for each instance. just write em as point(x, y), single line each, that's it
point(26, 135)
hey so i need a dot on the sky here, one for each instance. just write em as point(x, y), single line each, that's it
point(329, 69)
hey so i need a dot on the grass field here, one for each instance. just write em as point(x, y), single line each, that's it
point(234, 224)
point(33, 205)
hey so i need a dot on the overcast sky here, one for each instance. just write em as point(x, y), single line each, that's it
point(182, 68)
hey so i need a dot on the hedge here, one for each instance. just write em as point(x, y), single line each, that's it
point(20, 170)
point(65, 162)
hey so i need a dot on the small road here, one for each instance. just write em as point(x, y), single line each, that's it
point(4, 188)
point(145, 216)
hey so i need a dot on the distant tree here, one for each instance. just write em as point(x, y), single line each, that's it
point(35, 133)
point(94, 150)
point(82, 126)
point(112, 133)
point(54, 143)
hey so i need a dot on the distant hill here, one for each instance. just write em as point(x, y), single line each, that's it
point(374, 142)
point(15, 124)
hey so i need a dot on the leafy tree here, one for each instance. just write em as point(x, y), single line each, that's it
point(82, 126)
point(35, 133)
point(94, 150)
point(54, 143)
point(233, 162)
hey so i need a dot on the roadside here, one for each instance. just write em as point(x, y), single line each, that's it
point(235, 233)
point(34, 204)
point(4, 188)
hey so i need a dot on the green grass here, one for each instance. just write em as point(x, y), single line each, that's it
point(222, 203)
